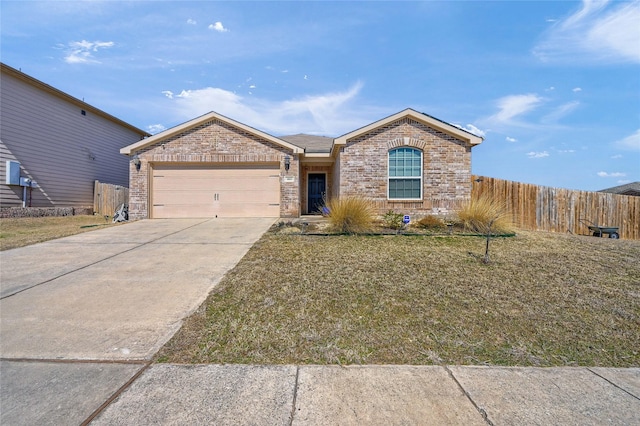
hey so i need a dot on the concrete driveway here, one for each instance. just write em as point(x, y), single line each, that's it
point(113, 295)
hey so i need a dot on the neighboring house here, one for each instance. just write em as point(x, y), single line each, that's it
point(632, 188)
point(213, 166)
point(61, 143)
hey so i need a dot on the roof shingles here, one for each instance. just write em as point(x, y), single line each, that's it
point(310, 143)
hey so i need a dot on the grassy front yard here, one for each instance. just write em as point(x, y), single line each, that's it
point(545, 299)
point(24, 231)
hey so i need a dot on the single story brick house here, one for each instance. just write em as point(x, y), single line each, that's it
point(213, 166)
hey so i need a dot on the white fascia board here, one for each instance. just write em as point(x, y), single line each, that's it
point(426, 119)
point(127, 150)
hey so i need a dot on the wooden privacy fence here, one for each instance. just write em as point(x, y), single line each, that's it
point(107, 197)
point(561, 210)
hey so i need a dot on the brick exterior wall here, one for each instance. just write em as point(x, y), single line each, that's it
point(214, 141)
point(363, 168)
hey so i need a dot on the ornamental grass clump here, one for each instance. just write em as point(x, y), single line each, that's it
point(486, 215)
point(351, 214)
point(431, 222)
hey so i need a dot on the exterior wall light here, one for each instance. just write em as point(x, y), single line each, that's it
point(287, 163)
point(136, 161)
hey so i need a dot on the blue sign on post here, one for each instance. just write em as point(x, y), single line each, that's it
point(406, 219)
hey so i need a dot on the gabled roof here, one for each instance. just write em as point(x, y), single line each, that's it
point(6, 69)
point(181, 128)
point(310, 143)
point(430, 121)
point(632, 188)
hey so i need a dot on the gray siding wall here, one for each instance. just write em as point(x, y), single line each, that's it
point(58, 147)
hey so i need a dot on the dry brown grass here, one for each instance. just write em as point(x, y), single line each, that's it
point(431, 222)
point(546, 299)
point(24, 231)
point(486, 215)
point(351, 215)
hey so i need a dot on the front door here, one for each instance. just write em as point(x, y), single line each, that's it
point(316, 190)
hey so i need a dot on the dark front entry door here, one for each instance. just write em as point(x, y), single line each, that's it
point(317, 188)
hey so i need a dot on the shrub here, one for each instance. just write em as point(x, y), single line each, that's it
point(351, 215)
point(486, 215)
point(393, 220)
point(431, 222)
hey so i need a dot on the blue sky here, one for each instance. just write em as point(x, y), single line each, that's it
point(553, 87)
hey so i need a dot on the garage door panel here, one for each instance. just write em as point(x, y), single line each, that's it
point(228, 210)
point(177, 183)
point(249, 197)
point(224, 182)
point(249, 210)
point(183, 197)
point(180, 211)
point(223, 191)
point(213, 197)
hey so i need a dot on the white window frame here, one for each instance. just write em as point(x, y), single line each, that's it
point(418, 178)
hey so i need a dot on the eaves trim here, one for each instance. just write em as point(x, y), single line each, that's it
point(418, 116)
point(181, 128)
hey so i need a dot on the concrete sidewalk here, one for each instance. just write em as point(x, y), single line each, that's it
point(377, 395)
point(82, 316)
point(332, 395)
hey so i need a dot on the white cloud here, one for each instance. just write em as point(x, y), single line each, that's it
point(619, 31)
point(155, 128)
point(601, 31)
point(473, 129)
point(81, 52)
point(168, 93)
point(514, 105)
point(561, 111)
point(566, 151)
point(614, 174)
point(617, 156)
point(577, 89)
point(192, 21)
point(510, 139)
point(218, 27)
point(326, 114)
point(623, 181)
point(541, 154)
point(630, 143)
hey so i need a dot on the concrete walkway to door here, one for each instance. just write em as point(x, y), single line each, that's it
point(111, 296)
